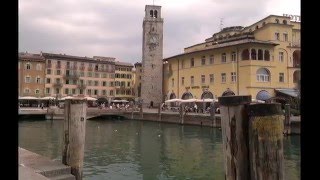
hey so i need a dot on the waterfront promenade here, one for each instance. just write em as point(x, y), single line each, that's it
point(33, 166)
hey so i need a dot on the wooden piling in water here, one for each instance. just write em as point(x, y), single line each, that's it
point(213, 115)
point(141, 111)
point(234, 125)
point(182, 113)
point(266, 141)
point(287, 123)
point(159, 112)
point(75, 111)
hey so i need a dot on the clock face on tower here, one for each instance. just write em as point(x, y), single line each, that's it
point(153, 42)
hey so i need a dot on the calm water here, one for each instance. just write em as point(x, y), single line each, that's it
point(145, 150)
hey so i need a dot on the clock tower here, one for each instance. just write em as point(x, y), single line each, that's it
point(152, 55)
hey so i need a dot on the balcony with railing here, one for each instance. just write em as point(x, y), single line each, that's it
point(71, 76)
point(49, 66)
point(82, 68)
point(90, 68)
point(58, 66)
point(81, 85)
point(57, 84)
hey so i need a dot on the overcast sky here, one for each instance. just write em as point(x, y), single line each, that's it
point(113, 28)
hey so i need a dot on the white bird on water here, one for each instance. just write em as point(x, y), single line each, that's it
point(115, 130)
point(159, 135)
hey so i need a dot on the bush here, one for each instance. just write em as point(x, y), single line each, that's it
point(295, 112)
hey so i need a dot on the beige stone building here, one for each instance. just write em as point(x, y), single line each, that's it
point(31, 74)
point(68, 75)
point(124, 88)
point(137, 79)
point(261, 60)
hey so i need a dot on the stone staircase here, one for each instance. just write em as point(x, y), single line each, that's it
point(44, 166)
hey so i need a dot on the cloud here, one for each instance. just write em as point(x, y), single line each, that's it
point(114, 28)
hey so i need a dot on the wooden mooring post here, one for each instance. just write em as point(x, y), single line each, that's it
point(287, 123)
point(75, 111)
point(234, 125)
point(213, 115)
point(266, 141)
point(252, 137)
point(182, 113)
point(141, 111)
point(159, 112)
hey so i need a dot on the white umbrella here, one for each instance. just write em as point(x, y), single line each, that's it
point(67, 97)
point(90, 98)
point(28, 98)
point(115, 100)
point(173, 100)
point(188, 100)
point(125, 101)
point(204, 100)
point(48, 98)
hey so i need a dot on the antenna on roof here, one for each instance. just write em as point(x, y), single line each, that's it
point(221, 23)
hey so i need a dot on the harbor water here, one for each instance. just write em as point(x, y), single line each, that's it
point(131, 149)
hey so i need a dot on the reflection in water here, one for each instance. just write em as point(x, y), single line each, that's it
point(145, 150)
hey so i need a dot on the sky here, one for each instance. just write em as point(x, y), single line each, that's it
point(114, 28)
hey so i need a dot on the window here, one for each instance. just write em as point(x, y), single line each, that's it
point(27, 90)
point(81, 74)
point(128, 83)
point(111, 92)
point(48, 71)
point(28, 66)
point(89, 74)
point(104, 92)
point(203, 60)
point(263, 75)
point(245, 54)
point(66, 91)
point(223, 58)
point(67, 81)
point(172, 82)
point(266, 55)
point(192, 80)
point(277, 36)
point(140, 77)
point(48, 80)
point(96, 83)
point(104, 83)
point(182, 81)
point(47, 90)
point(111, 84)
point(73, 91)
point(211, 78)
point(57, 90)
point(38, 67)
point(233, 77)
point(233, 57)
point(253, 54)
point(260, 54)
point(89, 91)
point(58, 72)
point(203, 79)
point(284, 21)
point(97, 75)
point(277, 21)
point(89, 83)
point(281, 77)
point(285, 36)
point(38, 80)
point(192, 62)
point(182, 64)
point(37, 91)
point(95, 92)
point(223, 77)
point(28, 79)
point(281, 56)
point(104, 75)
point(211, 60)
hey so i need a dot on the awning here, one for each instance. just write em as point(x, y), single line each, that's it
point(289, 92)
